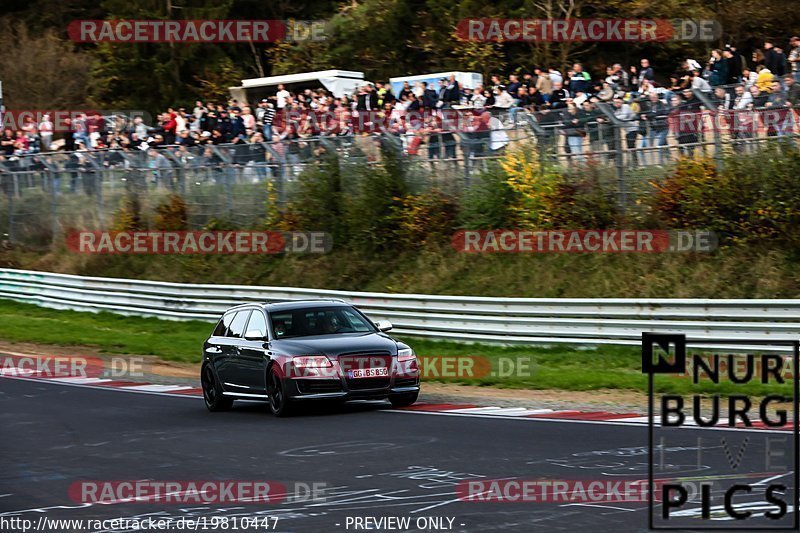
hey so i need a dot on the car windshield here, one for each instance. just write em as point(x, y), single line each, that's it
point(311, 321)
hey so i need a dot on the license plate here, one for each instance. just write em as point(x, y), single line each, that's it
point(368, 373)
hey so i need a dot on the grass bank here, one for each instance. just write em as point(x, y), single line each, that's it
point(742, 272)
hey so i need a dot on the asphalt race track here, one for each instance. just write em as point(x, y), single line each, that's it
point(373, 463)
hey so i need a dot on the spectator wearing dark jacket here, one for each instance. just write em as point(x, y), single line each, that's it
point(237, 125)
point(574, 129)
point(718, 68)
point(772, 59)
point(638, 75)
point(224, 126)
point(530, 98)
point(513, 86)
point(451, 94)
point(781, 62)
point(559, 96)
point(579, 80)
point(429, 96)
point(413, 103)
point(655, 119)
point(367, 99)
point(733, 65)
point(209, 121)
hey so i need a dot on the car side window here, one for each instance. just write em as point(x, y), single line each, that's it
point(236, 329)
point(281, 324)
point(257, 321)
point(223, 325)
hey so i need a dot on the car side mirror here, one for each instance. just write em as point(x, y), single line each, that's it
point(254, 335)
point(383, 325)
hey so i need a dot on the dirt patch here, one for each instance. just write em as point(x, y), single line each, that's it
point(605, 399)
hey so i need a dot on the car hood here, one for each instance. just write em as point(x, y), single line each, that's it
point(337, 344)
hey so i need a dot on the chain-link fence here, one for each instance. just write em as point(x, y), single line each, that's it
point(46, 195)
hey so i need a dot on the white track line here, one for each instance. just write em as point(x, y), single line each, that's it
point(86, 381)
point(502, 411)
point(575, 421)
point(107, 389)
point(157, 388)
point(634, 419)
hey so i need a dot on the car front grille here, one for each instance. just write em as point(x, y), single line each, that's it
point(318, 386)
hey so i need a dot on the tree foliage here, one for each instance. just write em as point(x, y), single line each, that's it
point(27, 79)
point(382, 38)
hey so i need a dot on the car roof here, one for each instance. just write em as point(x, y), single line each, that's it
point(288, 305)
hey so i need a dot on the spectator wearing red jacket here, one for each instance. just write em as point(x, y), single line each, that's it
point(170, 127)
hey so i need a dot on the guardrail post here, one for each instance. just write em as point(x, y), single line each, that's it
point(619, 162)
point(540, 134)
point(279, 169)
point(12, 192)
point(101, 207)
point(228, 193)
point(719, 158)
point(54, 230)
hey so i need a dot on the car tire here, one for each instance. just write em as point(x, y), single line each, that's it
point(279, 404)
point(404, 400)
point(212, 391)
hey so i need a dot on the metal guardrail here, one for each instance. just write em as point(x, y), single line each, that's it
point(582, 321)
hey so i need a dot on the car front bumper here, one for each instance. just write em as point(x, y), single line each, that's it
point(306, 389)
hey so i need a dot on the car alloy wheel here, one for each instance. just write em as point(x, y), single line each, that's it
point(278, 403)
point(212, 395)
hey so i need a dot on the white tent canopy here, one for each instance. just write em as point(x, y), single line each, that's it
point(467, 80)
point(339, 82)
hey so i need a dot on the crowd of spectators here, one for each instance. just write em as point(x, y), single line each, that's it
point(566, 105)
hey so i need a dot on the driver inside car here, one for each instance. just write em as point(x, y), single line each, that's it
point(331, 324)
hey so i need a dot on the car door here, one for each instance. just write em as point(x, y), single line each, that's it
point(251, 363)
point(227, 370)
point(213, 347)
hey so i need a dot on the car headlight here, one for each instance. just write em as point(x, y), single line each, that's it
point(305, 366)
point(406, 354)
point(311, 361)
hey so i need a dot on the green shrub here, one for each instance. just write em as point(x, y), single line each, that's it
point(371, 210)
point(129, 215)
point(756, 197)
point(425, 219)
point(583, 201)
point(487, 204)
point(319, 204)
point(171, 215)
